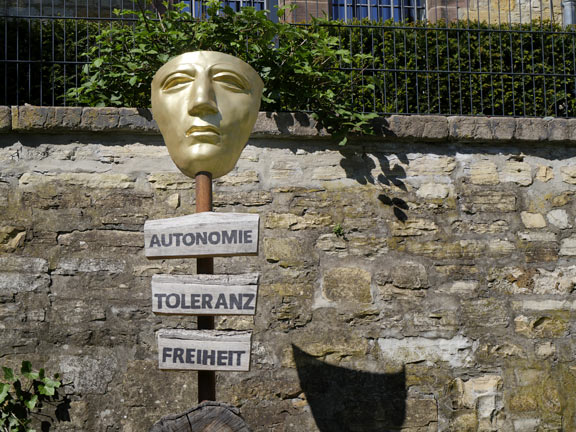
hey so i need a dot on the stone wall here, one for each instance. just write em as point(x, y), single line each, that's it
point(420, 280)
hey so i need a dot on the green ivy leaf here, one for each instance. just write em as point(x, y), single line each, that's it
point(4, 392)
point(8, 374)
point(31, 403)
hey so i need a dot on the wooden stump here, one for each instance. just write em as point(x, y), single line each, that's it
point(206, 417)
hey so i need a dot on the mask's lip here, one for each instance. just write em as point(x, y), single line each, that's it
point(202, 129)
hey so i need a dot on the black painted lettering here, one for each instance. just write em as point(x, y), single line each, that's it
point(248, 301)
point(221, 302)
point(177, 237)
point(235, 301)
point(240, 236)
point(188, 239)
point(199, 357)
point(201, 237)
point(214, 237)
point(222, 358)
point(230, 357)
point(207, 301)
point(154, 241)
point(208, 356)
point(167, 242)
point(178, 355)
point(166, 354)
point(248, 236)
point(195, 298)
point(230, 237)
point(159, 297)
point(173, 304)
point(190, 355)
point(239, 357)
point(183, 304)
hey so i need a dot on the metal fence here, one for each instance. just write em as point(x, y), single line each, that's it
point(467, 57)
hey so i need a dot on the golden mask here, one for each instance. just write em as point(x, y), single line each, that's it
point(206, 104)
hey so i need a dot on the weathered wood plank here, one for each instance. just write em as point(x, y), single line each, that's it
point(206, 417)
point(205, 294)
point(205, 234)
point(204, 349)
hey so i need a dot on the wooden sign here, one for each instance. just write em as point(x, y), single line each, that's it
point(205, 294)
point(204, 350)
point(205, 234)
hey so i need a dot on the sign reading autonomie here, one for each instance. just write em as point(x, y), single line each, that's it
point(206, 234)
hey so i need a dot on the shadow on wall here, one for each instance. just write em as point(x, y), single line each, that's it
point(359, 167)
point(345, 400)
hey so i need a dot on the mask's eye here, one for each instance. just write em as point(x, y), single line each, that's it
point(176, 81)
point(231, 81)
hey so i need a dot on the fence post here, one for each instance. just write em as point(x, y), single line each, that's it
point(568, 12)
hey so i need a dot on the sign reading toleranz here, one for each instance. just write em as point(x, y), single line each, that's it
point(204, 350)
point(205, 234)
point(205, 294)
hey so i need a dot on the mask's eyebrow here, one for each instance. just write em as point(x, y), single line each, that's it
point(226, 69)
point(188, 69)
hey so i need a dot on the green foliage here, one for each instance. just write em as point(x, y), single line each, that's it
point(299, 64)
point(338, 231)
point(345, 74)
point(23, 394)
point(42, 48)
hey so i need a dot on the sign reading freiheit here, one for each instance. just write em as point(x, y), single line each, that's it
point(204, 234)
point(204, 350)
point(205, 294)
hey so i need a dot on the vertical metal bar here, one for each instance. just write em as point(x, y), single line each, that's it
point(18, 54)
point(53, 42)
point(6, 69)
point(512, 59)
point(459, 62)
point(522, 70)
point(29, 53)
point(41, 54)
point(64, 51)
point(206, 379)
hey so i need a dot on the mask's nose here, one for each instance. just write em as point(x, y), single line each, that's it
point(203, 98)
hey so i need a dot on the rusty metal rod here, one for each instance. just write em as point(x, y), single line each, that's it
point(206, 379)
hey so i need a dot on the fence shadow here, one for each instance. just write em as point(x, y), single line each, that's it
point(346, 400)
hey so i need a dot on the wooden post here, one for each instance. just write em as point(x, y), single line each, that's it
point(206, 379)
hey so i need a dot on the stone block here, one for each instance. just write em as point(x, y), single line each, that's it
point(558, 130)
point(542, 327)
point(236, 178)
point(413, 227)
point(170, 181)
point(73, 266)
point(11, 238)
point(531, 129)
point(431, 165)
point(23, 265)
point(559, 218)
point(544, 173)
point(435, 191)
point(560, 281)
point(137, 120)
point(88, 180)
point(100, 119)
point(410, 276)
point(568, 174)
point(488, 201)
point(421, 413)
point(90, 374)
point(568, 246)
point(5, 119)
point(287, 252)
point(296, 223)
point(456, 352)
point(533, 220)
point(484, 173)
point(347, 284)
point(503, 128)
point(415, 126)
point(470, 128)
point(517, 172)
